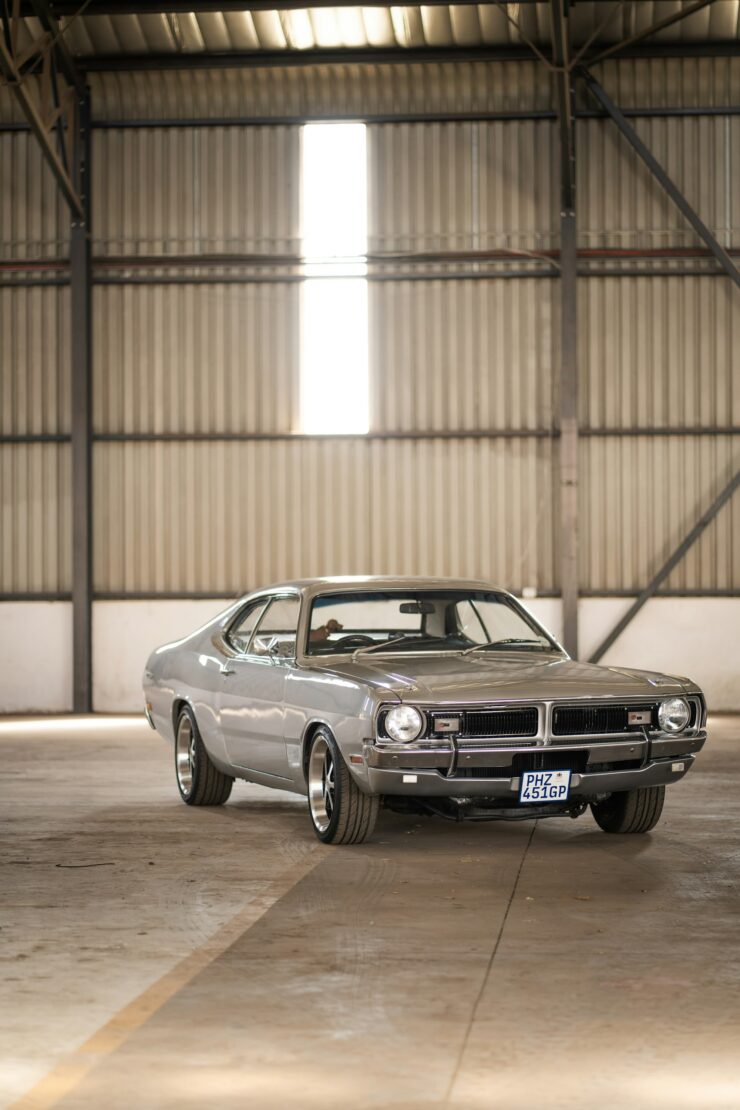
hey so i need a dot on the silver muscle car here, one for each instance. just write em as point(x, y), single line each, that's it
point(433, 695)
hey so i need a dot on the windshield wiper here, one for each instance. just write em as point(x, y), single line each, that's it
point(383, 644)
point(503, 643)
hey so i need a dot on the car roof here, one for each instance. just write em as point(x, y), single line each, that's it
point(342, 583)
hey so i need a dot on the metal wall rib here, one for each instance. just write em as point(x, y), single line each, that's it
point(462, 186)
point(35, 363)
point(195, 358)
point(177, 191)
point(468, 354)
point(640, 497)
point(327, 92)
point(35, 536)
point(33, 215)
point(622, 205)
point(659, 352)
point(227, 516)
point(474, 355)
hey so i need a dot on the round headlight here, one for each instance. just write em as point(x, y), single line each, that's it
point(403, 723)
point(673, 715)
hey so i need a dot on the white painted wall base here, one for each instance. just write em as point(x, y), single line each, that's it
point(35, 657)
point(124, 635)
point(698, 637)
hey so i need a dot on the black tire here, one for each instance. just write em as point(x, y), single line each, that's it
point(199, 782)
point(630, 811)
point(340, 814)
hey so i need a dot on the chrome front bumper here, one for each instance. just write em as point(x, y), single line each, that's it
point(436, 773)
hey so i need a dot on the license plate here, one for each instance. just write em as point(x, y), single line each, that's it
point(544, 786)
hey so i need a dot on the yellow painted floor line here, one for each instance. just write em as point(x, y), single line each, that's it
point(67, 1074)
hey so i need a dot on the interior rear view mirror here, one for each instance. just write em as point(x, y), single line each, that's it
point(424, 608)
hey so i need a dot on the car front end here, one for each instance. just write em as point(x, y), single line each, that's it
point(472, 759)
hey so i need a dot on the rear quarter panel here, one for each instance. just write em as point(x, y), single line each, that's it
point(188, 671)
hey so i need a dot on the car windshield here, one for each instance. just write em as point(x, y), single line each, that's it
point(366, 622)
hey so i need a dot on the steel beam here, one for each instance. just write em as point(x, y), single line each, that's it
point(177, 7)
point(661, 176)
point(565, 101)
point(80, 289)
point(670, 563)
point(647, 32)
point(403, 55)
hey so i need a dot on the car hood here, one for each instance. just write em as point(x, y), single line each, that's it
point(506, 676)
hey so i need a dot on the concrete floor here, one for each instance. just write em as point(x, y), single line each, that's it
point(157, 956)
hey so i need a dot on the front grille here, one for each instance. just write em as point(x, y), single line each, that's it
point(507, 722)
point(593, 720)
point(483, 723)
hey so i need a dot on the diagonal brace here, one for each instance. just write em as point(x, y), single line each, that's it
point(667, 567)
point(659, 173)
point(39, 126)
point(66, 63)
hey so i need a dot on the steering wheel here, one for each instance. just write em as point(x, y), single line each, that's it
point(355, 639)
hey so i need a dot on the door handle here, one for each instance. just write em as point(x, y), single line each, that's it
point(227, 671)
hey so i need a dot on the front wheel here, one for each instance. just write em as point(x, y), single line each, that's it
point(199, 782)
point(340, 812)
point(630, 811)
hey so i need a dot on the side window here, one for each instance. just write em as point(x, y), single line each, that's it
point(240, 633)
point(277, 630)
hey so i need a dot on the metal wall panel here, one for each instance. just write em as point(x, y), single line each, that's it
point(34, 221)
point(229, 516)
point(453, 355)
point(659, 352)
point(201, 190)
point(34, 361)
point(462, 186)
point(669, 82)
point(640, 496)
point(195, 358)
point(622, 205)
point(35, 535)
point(329, 92)
point(423, 88)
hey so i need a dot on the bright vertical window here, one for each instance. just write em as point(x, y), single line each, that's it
point(334, 329)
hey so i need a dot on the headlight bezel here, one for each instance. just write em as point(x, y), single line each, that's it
point(664, 719)
point(403, 709)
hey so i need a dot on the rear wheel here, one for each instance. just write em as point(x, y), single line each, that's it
point(199, 782)
point(630, 811)
point(340, 812)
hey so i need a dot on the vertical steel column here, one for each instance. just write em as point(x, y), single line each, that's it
point(568, 379)
point(80, 292)
point(568, 432)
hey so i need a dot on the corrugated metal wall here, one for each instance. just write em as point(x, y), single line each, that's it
point(35, 538)
point(457, 350)
point(196, 190)
point(201, 517)
point(195, 358)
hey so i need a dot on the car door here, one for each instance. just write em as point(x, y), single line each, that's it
point(251, 709)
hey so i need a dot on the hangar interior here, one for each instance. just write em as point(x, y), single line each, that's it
point(447, 290)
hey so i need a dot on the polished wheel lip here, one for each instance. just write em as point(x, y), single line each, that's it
point(185, 754)
point(321, 784)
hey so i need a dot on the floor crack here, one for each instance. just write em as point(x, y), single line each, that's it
point(489, 966)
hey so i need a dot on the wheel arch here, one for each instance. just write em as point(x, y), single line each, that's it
point(178, 705)
point(308, 734)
